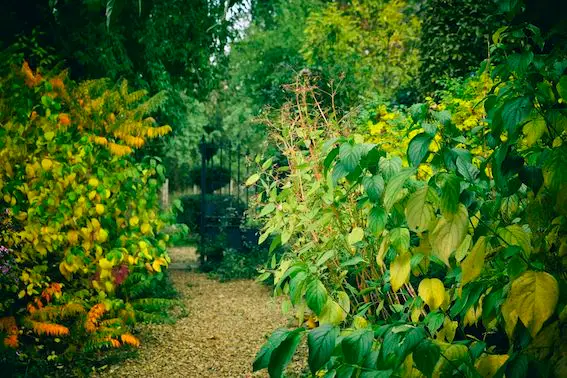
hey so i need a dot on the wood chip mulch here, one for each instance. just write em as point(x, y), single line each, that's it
point(226, 325)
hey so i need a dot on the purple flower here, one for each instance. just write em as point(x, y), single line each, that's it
point(4, 269)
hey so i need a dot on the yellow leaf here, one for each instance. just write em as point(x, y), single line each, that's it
point(474, 262)
point(73, 237)
point(105, 264)
point(102, 235)
point(134, 221)
point(419, 213)
point(449, 233)
point(146, 228)
point(46, 164)
point(93, 182)
point(532, 299)
point(400, 270)
point(463, 249)
point(332, 313)
point(516, 235)
point(432, 291)
point(488, 364)
point(447, 332)
point(99, 209)
point(534, 130)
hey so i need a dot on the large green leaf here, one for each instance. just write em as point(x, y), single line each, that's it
point(374, 186)
point(316, 296)
point(400, 239)
point(474, 262)
point(450, 190)
point(394, 188)
point(296, 286)
point(418, 148)
point(377, 220)
point(282, 354)
point(350, 156)
point(263, 356)
point(357, 345)
point(419, 213)
point(390, 166)
point(519, 63)
point(449, 233)
point(515, 112)
point(321, 342)
point(425, 356)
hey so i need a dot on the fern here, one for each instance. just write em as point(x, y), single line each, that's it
point(57, 312)
point(49, 329)
point(147, 317)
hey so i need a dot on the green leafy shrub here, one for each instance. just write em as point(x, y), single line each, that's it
point(85, 230)
point(457, 272)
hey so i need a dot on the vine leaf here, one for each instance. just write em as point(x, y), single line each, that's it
point(321, 342)
point(532, 299)
point(419, 213)
point(449, 233)
point(474, 262)
point(400, 270)
point(432, 291)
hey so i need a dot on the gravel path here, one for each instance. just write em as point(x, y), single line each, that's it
point(226, 325)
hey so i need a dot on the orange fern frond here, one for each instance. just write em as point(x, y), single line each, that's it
point(130, 339)
point(93, 315)
point(115, 343)
point(49, 329)
point(11, 341)
point(8, 325)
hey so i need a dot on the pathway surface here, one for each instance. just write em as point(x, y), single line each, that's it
point(226, 325)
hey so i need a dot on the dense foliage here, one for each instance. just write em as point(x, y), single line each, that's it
point(82, 235)
point(439, 255)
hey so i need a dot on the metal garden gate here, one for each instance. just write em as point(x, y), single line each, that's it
point(224, 167)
